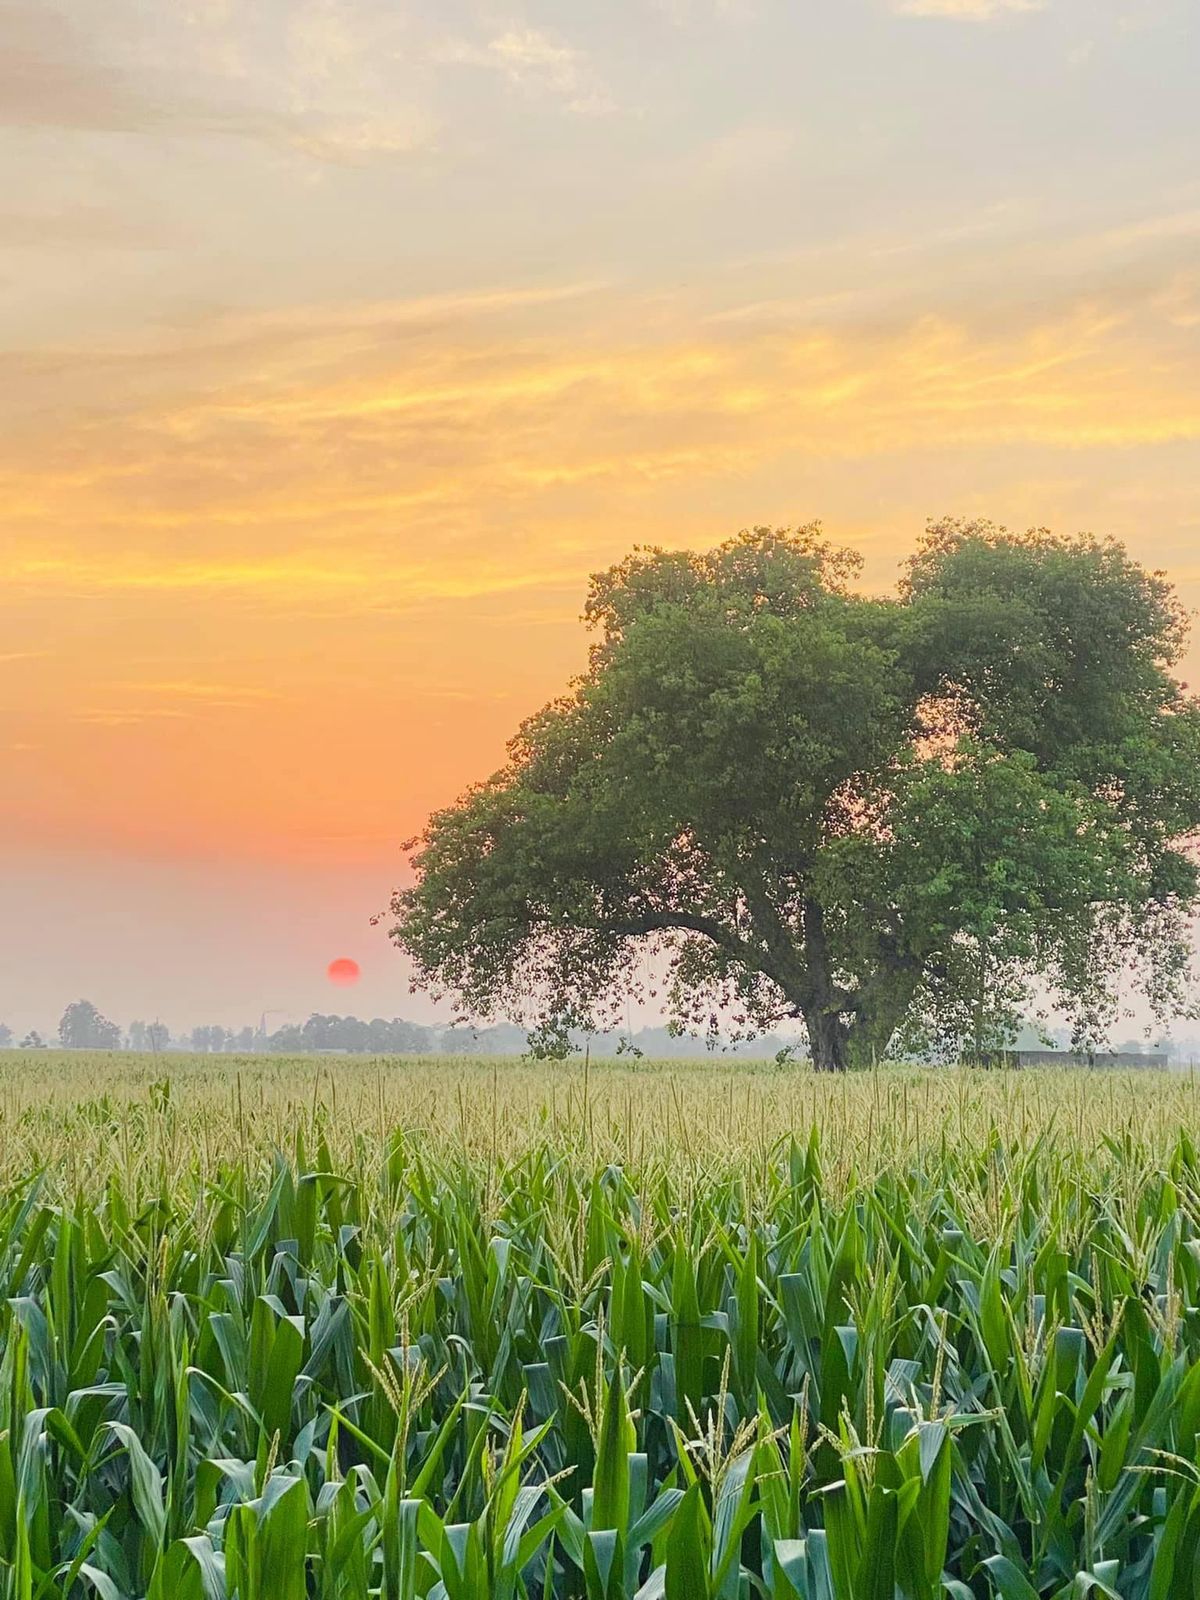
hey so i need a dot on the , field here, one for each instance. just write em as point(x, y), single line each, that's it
point(283, 1328)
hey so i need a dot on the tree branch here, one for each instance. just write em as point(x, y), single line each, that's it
point(681, 922)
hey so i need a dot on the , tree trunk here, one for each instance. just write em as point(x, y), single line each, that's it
point(838, 1044)
point(820, 1005)
point(827, 1040)
point(850, 1027)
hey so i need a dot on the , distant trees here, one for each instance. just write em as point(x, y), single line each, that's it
point(210, 1040)
point(395, 1036)
point(152, 1036)
point(460, 1042)
point(82, 1027)
point(379, 1036)
point(893, 817)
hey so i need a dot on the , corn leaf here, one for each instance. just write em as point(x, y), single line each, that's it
point(146, 1484)
point(1008, 1581)
point(603, 1564)
point(610, 1490)
point(686, 1575)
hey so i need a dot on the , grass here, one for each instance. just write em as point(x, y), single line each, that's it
point(443, 1328)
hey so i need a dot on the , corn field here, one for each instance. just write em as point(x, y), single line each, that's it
point(455, 1330)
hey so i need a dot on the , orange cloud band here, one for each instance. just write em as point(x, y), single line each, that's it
point(355, 541)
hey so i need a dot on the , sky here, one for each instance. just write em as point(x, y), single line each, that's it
point(342, 339)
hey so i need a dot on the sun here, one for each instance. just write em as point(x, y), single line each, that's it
point(343, 972)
